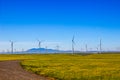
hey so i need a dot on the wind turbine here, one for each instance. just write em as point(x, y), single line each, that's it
point(15, 50)
point(39, 43)
point(73, 43)
point(12, 46)
point(97, 49)
point(86, 47)
point(22, 50)
point(57, 48)
point(100, 45)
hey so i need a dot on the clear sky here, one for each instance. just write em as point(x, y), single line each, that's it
point(56, 21)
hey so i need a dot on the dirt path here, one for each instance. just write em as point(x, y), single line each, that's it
point(11, 70)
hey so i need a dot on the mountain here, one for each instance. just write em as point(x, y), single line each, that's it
point(42, 50)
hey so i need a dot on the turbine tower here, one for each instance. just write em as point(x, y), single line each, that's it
point(22, 50)
point(73, 43)
point(86, 47)
point(57, 48)
point(97, 49)
point(39, 44)
point(12, 46)
point(100, 45)
point(15, 50)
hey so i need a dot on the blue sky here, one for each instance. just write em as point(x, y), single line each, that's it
point(56, 21)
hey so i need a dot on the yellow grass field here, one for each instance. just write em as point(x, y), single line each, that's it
point(71, 67)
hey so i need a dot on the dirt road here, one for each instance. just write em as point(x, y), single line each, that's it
point(11, 70)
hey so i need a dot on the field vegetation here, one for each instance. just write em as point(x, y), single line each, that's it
point(71, 67)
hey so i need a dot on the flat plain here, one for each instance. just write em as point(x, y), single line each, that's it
point(70, 67)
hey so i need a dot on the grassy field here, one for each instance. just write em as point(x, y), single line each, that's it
point(71, 67)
